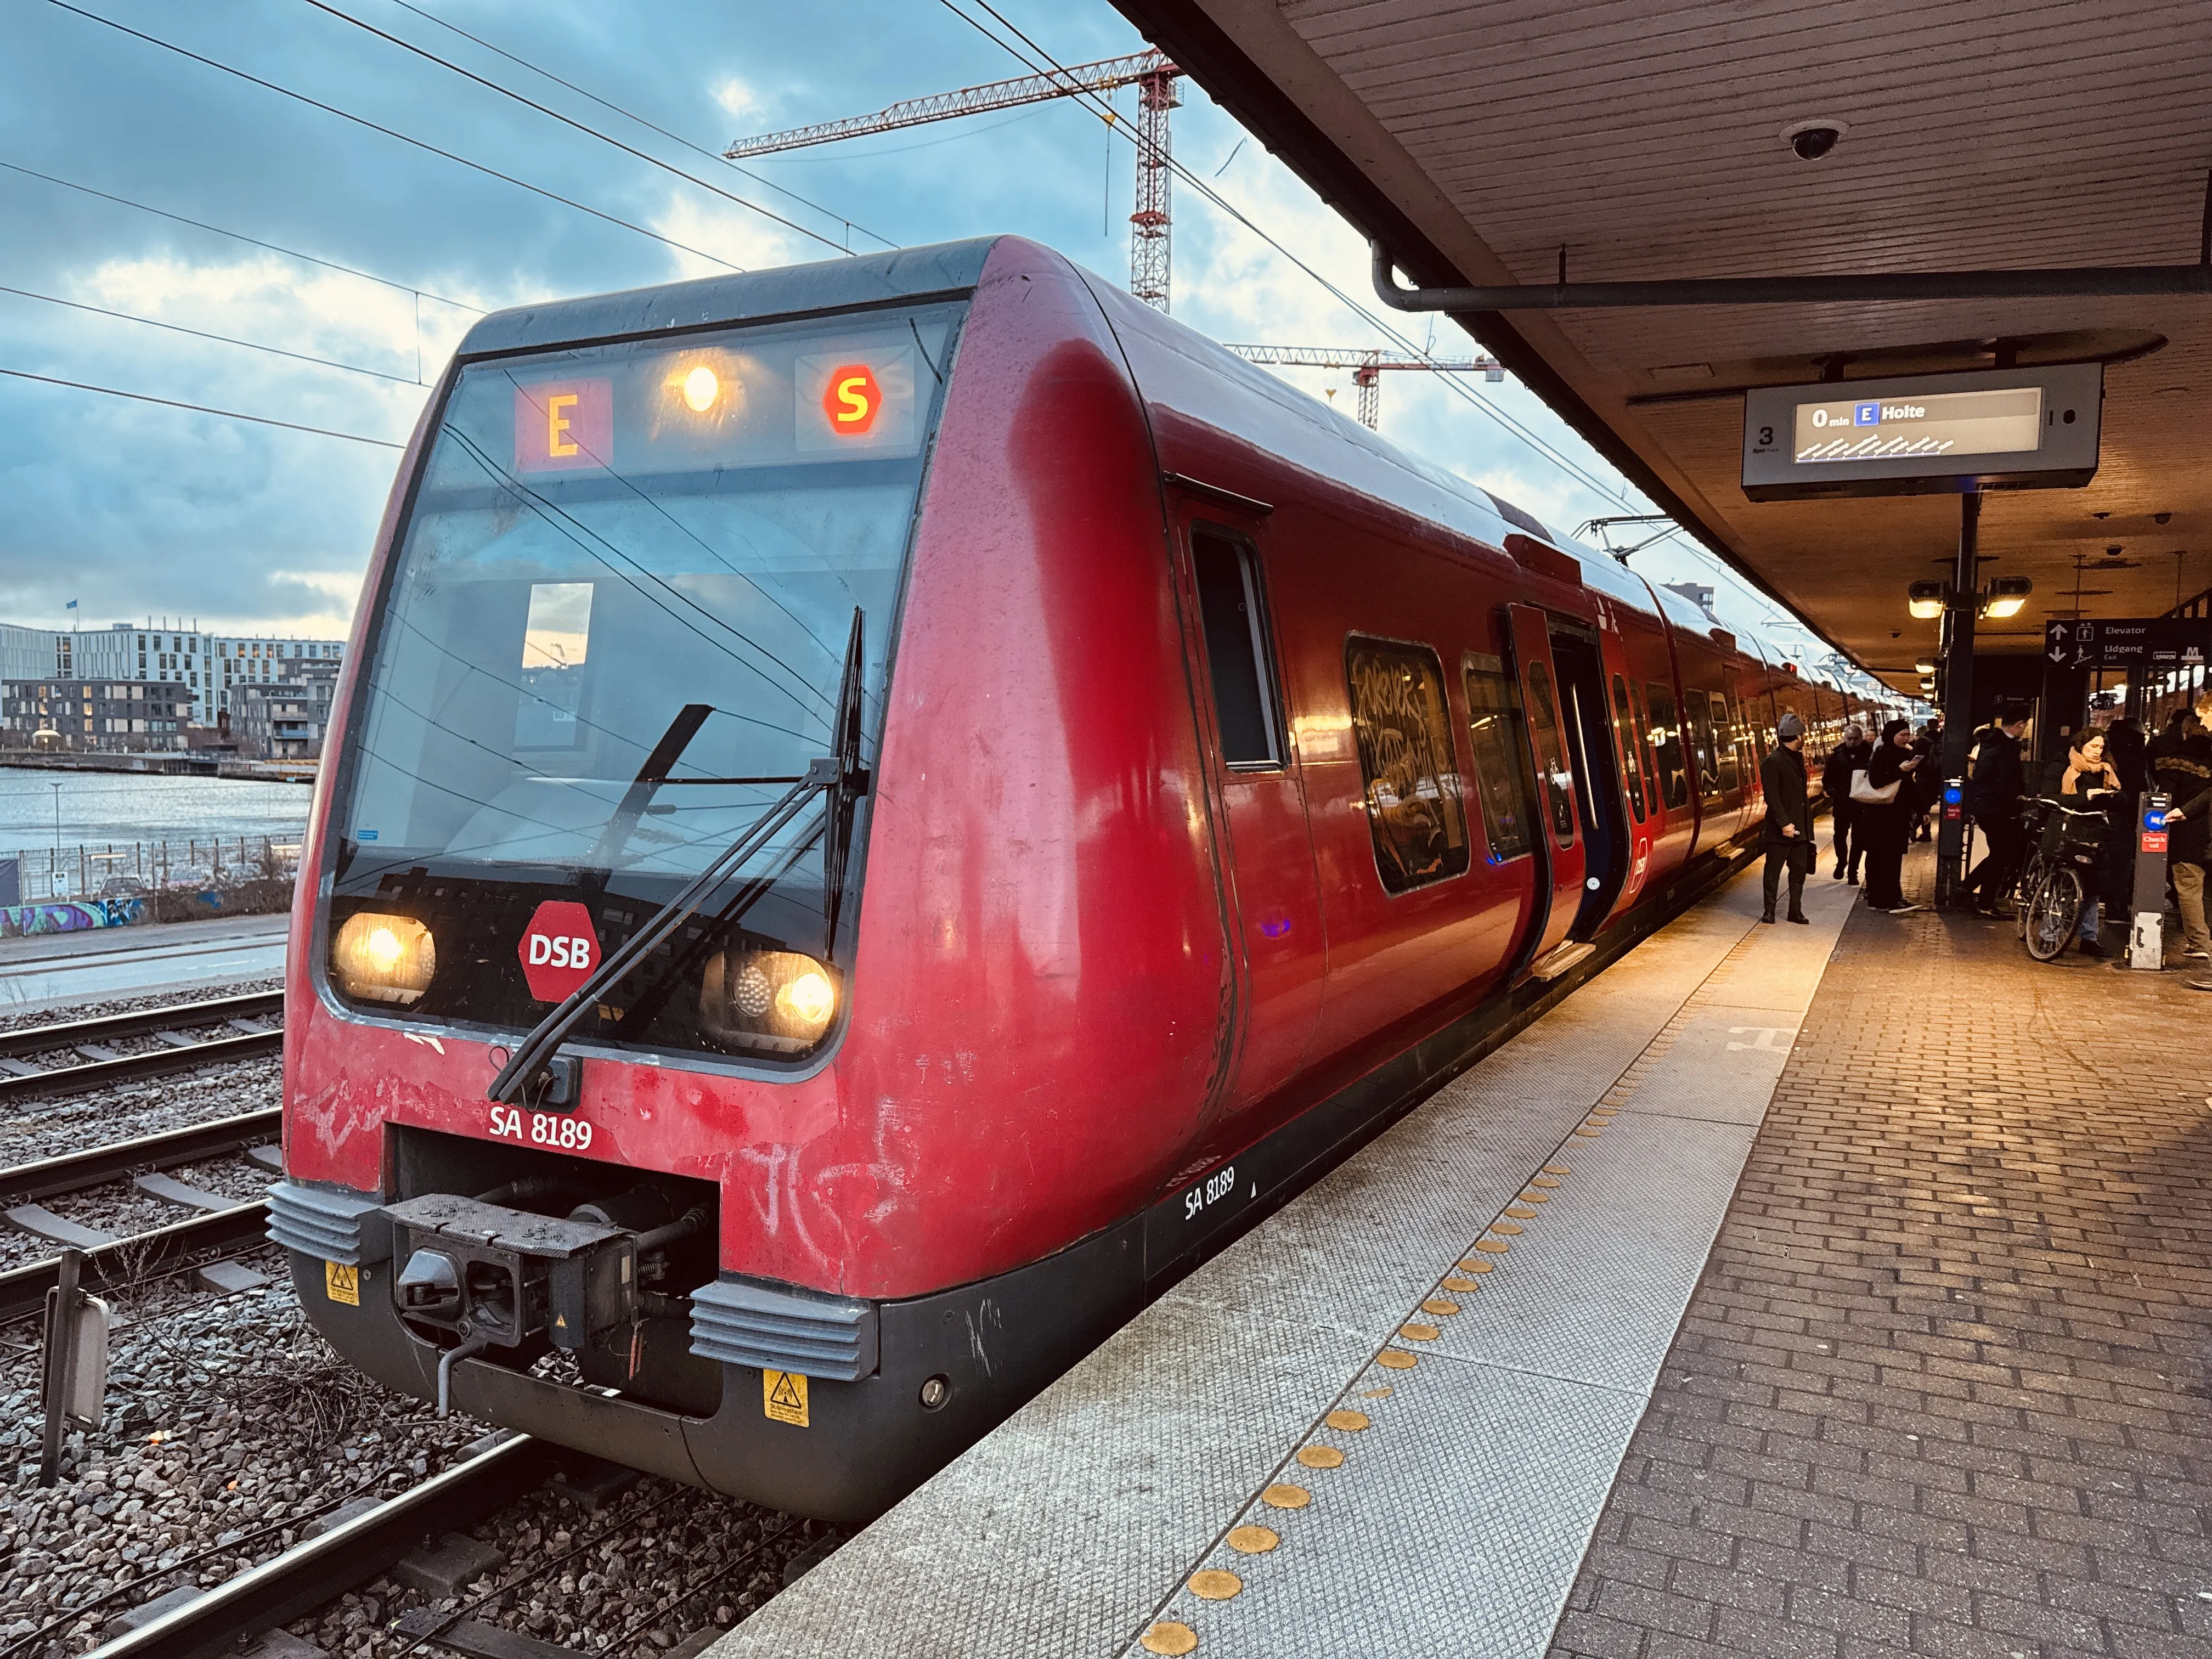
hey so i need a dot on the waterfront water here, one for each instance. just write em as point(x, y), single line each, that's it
point(98, 807)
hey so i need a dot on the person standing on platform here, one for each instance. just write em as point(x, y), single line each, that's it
point(1885, 822)
point(1921, 787)
point(1994, 783)
point(2091, 783)
point(1849, 757)
point(2180, 763)
point(1787, 834)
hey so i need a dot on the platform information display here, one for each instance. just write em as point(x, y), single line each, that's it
point(1991, 429)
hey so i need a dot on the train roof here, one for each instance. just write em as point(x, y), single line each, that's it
point(942, 268)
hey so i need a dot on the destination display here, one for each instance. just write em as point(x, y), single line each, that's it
point(1927, 434)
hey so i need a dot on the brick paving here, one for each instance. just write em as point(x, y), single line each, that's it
point(1946, 1384)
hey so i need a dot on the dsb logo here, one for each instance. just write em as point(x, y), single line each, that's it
point(558, 950)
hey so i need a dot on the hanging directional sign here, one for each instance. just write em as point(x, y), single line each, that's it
point(2128, 642)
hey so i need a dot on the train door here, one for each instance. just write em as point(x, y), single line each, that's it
point(1600, 816)
point(1544, 720)
point(1274, 891)
point(1637, 774)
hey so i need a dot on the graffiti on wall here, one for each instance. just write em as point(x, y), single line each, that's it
point(69, 916)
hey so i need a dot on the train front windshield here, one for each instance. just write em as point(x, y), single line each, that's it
point(615, 626)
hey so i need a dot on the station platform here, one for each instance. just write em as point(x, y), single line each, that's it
point(61, 970)
point(1830, 1290)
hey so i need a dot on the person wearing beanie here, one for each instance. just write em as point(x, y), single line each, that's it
point(1787, 834)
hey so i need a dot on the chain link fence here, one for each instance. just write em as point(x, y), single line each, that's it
point(147, 870)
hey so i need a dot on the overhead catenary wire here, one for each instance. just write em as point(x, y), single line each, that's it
point(200, 409)
point(632, 115)
point(391, 132)
point(649, 159)
point(240, 236)
point(223, 339)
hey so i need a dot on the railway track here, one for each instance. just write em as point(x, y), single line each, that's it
point(252, 1023)
point(220, 1224)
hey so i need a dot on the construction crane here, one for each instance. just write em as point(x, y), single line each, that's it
point(1153, 76)
point(1366, 367)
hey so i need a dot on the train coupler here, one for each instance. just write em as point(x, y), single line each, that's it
point(497, 1278)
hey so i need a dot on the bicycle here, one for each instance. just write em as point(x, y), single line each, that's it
point(2069, 850)
point(2036, 815)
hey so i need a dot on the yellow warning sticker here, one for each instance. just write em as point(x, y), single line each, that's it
point(783, 1397)
point(342, 1284)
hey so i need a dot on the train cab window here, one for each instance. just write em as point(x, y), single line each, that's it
point(1728, 737)
point(1237, 656)
point(1667, 747)
point(1501, 762)
point(1624, 738)
point(1401, 725)
point(1698, 722)
point(1554, 782)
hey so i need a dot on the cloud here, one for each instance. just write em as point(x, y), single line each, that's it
point(737, 100)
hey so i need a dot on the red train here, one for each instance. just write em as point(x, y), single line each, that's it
point(881, 809)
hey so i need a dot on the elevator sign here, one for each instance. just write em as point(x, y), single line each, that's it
point(1930, 434)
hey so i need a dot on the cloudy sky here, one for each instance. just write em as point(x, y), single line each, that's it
point(135, 508)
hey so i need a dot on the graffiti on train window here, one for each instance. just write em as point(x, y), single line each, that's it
point(1667, 746)
point(1698, 717)
point(1554, 782)
point(1402, 723)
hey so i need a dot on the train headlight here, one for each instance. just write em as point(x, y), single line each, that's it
point(777, 1002)
point(383, 959)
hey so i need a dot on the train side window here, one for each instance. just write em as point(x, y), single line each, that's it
point(1501, 764)
point(1667, 740)
point(1728, 738)
point(1624, 738)
point(1644, 744)
point(1401, 725)
point(1698, 722)
point(1554, 782)
point(1236, 655)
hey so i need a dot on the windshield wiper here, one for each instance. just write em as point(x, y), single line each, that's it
point(529, 1068)
point(844, 794)
point(650, 776)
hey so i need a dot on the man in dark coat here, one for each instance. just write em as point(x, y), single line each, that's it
point(1994, 784)
point(1787, 834)
point(1850, 755)
point(2180, 764)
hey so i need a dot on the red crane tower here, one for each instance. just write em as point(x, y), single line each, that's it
point(1366, 366)
point(1153, 76)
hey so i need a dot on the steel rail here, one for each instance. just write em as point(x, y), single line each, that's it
point(23, 1289)
point(75, 1171)
point(160, 1062)
point(308, 1575)
point(46, 1039)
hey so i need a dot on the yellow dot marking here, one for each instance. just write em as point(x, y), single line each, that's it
point(1521, 1213)
point(1545, 1181)
point(1557, 1168)
point(1417, 1333)
point(1588, 1133)
point(1494, 1246)
point(1533, 1197)
point(1396, 1359)
point(1463, 1285)
point(1477, 1267)
point(1215, 1585)
point(1320, 1457)
point(1350, 1421)
point(1169, 1637)
point(1441, 1306)
point(1510, 1228)
point(1383, 1393)
point(1283, 1497)
point(1253, 1540)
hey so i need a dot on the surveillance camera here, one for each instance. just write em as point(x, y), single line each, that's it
point(1812, 139)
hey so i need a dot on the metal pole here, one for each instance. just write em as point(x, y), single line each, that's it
point(60, 1360)
point(1958, 693)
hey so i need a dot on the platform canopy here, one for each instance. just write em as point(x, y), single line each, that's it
point(1478, 139)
